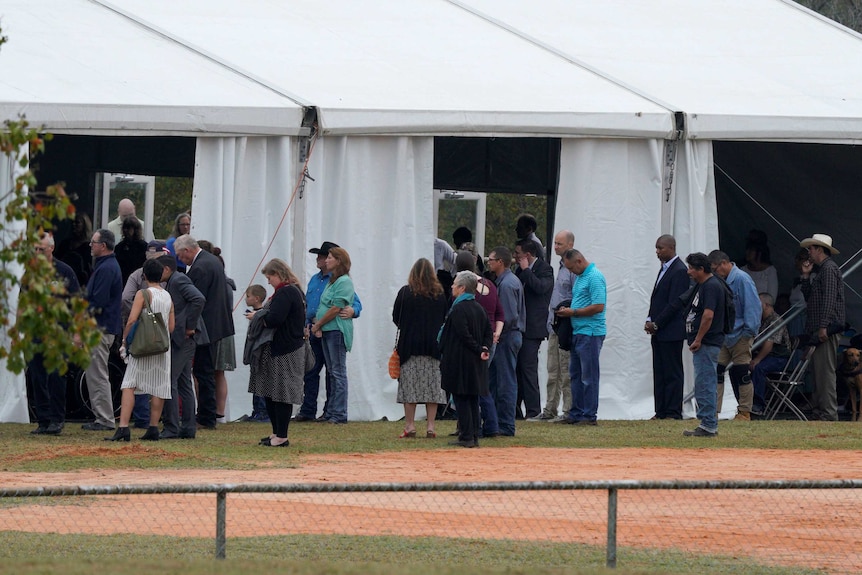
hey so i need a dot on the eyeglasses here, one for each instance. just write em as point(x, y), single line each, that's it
point(39, 249)
point(96, 242)
point(493, 259)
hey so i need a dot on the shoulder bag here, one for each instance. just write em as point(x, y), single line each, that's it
point(149, 335)
point(394, 359)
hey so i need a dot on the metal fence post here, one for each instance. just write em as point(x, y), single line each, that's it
point(221, 512)
point(612, 528)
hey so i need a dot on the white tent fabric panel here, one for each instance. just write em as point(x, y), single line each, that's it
point(373, 196)
point(610, 198)
point(75, 66)
point(242, 188)
point(13, 388)
point(739, 69)
point(426, 66)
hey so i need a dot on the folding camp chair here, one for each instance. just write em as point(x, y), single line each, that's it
point(786, 384)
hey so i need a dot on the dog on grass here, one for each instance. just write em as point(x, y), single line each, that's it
point(850, 371)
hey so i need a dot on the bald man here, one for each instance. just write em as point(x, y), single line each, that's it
point(125, 209)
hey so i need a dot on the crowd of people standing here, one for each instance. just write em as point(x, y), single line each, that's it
point(473, 337)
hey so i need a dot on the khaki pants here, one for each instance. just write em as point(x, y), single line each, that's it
point(98, 384)
point(824, 360)
point(559, 383)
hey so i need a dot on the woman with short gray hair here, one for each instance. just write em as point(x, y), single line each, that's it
point(465, 343)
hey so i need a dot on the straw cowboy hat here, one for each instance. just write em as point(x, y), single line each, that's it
point(821, 240)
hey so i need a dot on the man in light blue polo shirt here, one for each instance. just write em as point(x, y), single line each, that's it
point(589, 295)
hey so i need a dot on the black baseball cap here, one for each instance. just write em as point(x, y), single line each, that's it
point(324, 248)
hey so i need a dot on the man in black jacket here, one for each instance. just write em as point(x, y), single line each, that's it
point(668, 378)
point(537, 276)
point(207, 273)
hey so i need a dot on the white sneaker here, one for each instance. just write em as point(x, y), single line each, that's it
point(562, 417)
point(541, 417)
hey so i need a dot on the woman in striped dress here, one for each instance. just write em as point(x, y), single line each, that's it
point(149, 375)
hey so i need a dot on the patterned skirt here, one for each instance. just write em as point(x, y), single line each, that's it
point(149, 375)
point(420, 381)
point(279, 377)
point(225, 354)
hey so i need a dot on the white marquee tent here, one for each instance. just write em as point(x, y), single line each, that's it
point(637, 92)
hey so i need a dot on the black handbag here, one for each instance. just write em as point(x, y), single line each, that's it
point(149, 335)
point(563, 327)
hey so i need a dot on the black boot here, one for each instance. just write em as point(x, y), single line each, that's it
point(152, 434)
point(121, 434)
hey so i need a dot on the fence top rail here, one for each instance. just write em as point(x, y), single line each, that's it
point(420, 487)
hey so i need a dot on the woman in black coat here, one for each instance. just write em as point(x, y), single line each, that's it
point(464, 345)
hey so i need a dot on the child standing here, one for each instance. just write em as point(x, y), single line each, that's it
point(254, 298)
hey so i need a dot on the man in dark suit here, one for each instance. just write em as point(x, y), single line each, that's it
point(189, 330)
point(537, 276)
point(207, 273)
point(667, 339)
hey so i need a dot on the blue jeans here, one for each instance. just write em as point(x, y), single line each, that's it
point(487, 408)
point(335, 355)
point(311, 387)
point(768, 364)
point(141, 412)
point(705, 361)
point(258, 407)
point(584, 373)
point(503, 381)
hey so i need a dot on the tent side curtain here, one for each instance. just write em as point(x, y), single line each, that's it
point(371, 195)
point(374, 197)
point(13, 389)
point(242, 188)
point(611, 197)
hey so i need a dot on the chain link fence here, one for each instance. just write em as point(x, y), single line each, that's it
point(810, 525)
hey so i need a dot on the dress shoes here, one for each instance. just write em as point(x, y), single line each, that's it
point(187, 434)
point(321, 419)
point(168, 435)
point(96, 426)
point(40, 430)
point(121, 434)
point(206, 426)
point(461, 443)
point(585, 422)
point(54, 428)
point(301, 418)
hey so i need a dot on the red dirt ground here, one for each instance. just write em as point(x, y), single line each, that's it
point(790, 527)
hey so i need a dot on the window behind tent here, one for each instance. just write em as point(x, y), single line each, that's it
point(517, 174)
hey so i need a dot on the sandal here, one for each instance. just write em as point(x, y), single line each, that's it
point(407, 434)
point(430, 434)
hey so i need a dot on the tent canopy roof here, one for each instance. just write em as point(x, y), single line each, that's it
point(748, 69)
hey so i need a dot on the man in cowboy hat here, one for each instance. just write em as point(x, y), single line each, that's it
point(824, 293)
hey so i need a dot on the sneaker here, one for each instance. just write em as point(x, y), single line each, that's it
point(542, 417)
point(96, 426)
point(559, 419)
point(699, 432)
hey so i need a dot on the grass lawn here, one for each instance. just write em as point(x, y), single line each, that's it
point(234, 446)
